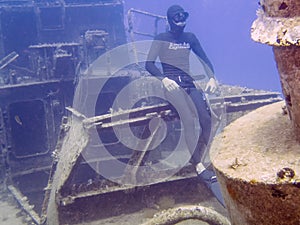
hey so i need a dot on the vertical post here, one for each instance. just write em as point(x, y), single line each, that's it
point(278, 25)
point(256, 158)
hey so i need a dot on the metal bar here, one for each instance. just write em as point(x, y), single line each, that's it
point(54, 45)
point(76, 113)
point(251, 105)
point(22, 200)
point(147, 13)
point(144, 34)
point(82, 5)
point(131, 34)
point(63, 131)
point(126, 121)
point(186, 174)
point(92, 120)
point(237, 98)
point(137, 157)
point(243, 97)
point(8, 59)
point(30, 171)
point(106, 158)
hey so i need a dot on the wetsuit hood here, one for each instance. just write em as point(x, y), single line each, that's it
point(176, 26)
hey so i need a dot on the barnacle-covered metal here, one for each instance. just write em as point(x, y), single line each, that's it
point(286, 173)
point(278, 25)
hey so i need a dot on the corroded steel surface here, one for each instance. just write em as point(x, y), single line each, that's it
point(280, 8)
point(275, 30)
point(288, 64)
point(259, 170)
point(277, 23)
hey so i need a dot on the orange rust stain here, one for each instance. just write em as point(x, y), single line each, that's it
point(231, 191)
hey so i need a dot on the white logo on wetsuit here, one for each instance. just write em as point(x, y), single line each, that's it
point(176, 46)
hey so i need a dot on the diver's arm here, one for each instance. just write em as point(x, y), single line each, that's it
point(153, 70)
point(168, 83)
point(211, 85)
point(198, 50)
point(152, 56)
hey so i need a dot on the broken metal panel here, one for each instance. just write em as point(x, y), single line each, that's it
point(76, 141)
point(55, 60)
point(78, 18)
point(66, 191)
point(42, 23)
point(47, 97)
point(106, 205)
point(71, 148)
point(131, 22)
point(28, 164)
point(63, 131)
point(18, 29)
point(50, 57)
point(23, 201)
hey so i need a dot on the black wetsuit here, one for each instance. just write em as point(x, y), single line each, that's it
point(173, 50)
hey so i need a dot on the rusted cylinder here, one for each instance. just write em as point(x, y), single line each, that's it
point(281, 8)
point(278, 25)
point(288, 64)
point(256, 158)
point(257, 162)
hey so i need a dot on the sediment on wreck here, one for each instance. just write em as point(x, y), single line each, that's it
point(256, 159)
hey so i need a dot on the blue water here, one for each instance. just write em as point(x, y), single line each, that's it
point(37, 84)
point(223, 28)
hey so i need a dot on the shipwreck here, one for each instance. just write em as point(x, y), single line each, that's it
point(58, 122)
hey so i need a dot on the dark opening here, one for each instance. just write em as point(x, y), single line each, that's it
point(52, 18)
point(28, 128)
point(283, 6)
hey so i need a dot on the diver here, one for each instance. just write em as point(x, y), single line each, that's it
point(173, 50)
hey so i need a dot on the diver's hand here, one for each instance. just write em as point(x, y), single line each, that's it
point(197, 84)
point(169, 84)
point(211, 86)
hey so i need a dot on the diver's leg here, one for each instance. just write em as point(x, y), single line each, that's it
point(204, 114)
point(198, 106)
point(178, 99)
point(210, 179)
